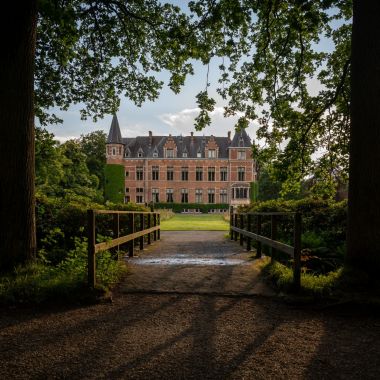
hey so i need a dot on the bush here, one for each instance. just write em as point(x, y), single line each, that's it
point(324, 226)
point(67, 281)
point(179, 207)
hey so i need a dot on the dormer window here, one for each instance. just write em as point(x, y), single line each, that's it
point(155, 154)
point(169, 153)
point(211, 153)
point(140, 153)
point(184, 154)
point(241, 141)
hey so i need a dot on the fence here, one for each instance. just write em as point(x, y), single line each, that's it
point(241, 227)
point(139, 225)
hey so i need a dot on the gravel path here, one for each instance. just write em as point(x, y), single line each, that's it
point(188, 336)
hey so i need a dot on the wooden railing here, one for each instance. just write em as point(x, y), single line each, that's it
point(241, 228)
point(148, 225)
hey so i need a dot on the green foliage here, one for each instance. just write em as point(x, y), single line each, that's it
point(270, 53)
point(324, 225)
point(320, 285)
point(65, 282)
point(254, 191)
point(114, 183)
point(179, 207)
point(91, 53)
point(93, 145)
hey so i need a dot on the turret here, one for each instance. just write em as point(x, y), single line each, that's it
point(115, 145)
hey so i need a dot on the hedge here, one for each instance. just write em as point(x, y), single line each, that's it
point(179, 207)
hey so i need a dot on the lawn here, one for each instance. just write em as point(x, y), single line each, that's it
point(203, 222)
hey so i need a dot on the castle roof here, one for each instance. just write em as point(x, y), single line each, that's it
point(188, 146)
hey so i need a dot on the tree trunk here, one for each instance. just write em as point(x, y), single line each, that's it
point(17, 203)
point(363, 238)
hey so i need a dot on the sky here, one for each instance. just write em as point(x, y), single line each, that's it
point(169, 114)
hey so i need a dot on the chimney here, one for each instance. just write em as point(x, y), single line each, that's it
point(192, 137)
point(229, 135)
point(150, 137)
point(191, 134)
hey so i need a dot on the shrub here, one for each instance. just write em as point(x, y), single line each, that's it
point(179, 207)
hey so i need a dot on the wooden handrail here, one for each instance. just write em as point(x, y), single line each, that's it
point(94, 248)
point(237, 230)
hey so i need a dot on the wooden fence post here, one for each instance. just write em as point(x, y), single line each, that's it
point(159, 230)
point(297, 251)
point(249, 230)
point(131, 228)
point(241, 227)
point(236, 225)
point(149, 237)
point(141, 229)
point(258, 254)
point(116, 230)
point(231, 222)
point(273, 234)
point(91, 248)
point(155, 224)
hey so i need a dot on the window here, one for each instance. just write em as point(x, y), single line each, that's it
point(185, 174)
point(155, 154)
point(169, 153)
point(155, 173)
point(199, 154)
point(127, 199)
point(211, 153)
point(223, 174)
point(170, 173)
point(198, 195)
point(139, 173)
point(223, 196)
point(155, 195)
point(241, 174)
point(127, 153)
point(211, 196)
point(198, 174)
point(114, 151)
point(241, 155)
point(184, 196)
point(184, 154)
point(127, 173)
point(127, 189)
point(240, 193)
point(139, 189)
point(169, 195)
point(211, 174)
point(139, 199)
point(140, 153)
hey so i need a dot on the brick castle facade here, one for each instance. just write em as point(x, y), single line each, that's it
point(184, 169)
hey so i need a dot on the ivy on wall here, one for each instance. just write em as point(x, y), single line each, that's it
point(114, 183)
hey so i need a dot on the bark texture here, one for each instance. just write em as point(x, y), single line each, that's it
point(363, 240)
point(17, 204)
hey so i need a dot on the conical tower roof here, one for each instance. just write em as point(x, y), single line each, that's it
point(114, 137)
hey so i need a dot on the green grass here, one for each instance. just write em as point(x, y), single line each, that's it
point(203, 222)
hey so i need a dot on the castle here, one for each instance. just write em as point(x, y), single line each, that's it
point(183, 169)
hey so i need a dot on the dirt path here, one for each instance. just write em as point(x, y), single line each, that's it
point(200, 262)
point(185, 335)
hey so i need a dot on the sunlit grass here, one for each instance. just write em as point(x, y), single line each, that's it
point(203, 222)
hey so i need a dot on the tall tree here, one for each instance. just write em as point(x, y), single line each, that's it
point(364, 184)
point(61, 52)
point(17, 215)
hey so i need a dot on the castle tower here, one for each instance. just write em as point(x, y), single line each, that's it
point(115, 147)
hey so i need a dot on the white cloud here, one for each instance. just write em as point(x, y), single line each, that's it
point(183, 122)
